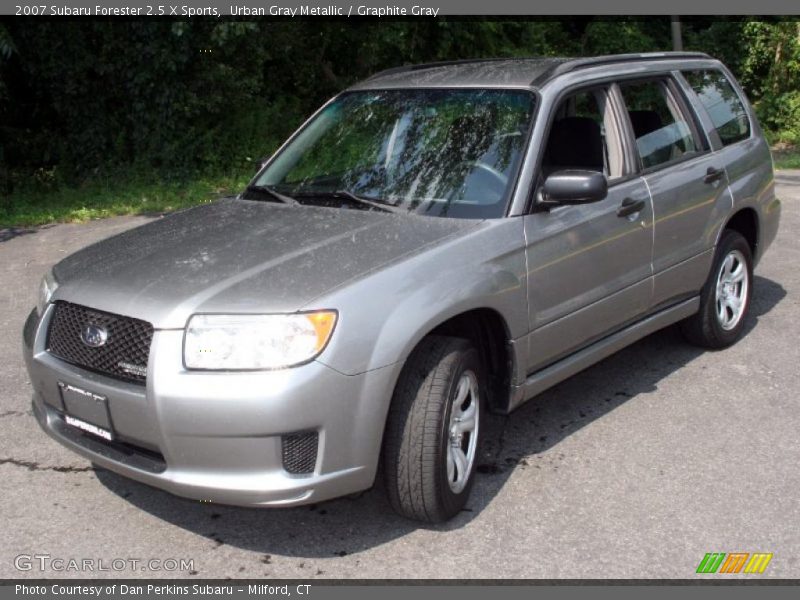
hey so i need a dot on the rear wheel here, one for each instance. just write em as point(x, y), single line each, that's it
point(433, 430)
point(725, 299)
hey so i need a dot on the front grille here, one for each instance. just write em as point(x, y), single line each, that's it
point(124, 354)
point(300, 452)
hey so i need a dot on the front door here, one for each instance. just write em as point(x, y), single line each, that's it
point(589, 265)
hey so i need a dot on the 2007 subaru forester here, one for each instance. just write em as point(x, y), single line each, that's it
point(436, 241)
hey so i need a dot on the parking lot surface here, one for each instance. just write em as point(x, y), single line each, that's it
point(636, 468)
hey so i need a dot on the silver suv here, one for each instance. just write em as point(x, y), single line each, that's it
point(437, 241)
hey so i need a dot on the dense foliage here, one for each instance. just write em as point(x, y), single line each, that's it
point(168, 100)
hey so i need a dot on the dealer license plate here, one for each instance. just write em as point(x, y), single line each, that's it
point(86, 410)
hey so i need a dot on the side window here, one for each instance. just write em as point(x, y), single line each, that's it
point(662, 131)
point(722, 104)
point(583, 135)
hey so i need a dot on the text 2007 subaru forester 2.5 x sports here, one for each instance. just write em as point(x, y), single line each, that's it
point(435, 242)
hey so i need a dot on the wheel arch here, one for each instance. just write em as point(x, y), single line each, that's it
point(746, 222)
point(488, 331)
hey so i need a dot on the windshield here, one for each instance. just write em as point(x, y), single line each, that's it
point(445, 153)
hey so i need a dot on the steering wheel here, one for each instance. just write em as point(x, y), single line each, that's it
point(496, 179)
point(500, 177)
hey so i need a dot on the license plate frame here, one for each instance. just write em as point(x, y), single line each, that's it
point(86, 411)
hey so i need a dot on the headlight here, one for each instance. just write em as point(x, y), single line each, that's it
point(46, 289)
point(241, 342)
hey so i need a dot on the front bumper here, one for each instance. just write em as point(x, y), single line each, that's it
point(217, 436)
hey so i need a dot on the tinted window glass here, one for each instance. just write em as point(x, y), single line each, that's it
point(446, 153)
point(662, 132)
point(722, 104)
point(583, 136)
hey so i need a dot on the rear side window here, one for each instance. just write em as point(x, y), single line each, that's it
point(721, 103)
point(662, 132)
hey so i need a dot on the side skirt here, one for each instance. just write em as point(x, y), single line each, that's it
point(582, 359)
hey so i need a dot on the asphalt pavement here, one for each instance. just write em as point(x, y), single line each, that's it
point(636, 468)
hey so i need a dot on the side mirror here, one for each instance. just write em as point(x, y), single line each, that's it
point(573, 187)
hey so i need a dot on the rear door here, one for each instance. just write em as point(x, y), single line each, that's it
point(588, 265)
point(687, 182)
point(734, 134)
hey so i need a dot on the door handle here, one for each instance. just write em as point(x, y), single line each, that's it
point(713, 175)
point(629, 207)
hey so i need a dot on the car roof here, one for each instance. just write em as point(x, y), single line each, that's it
point(503, 72)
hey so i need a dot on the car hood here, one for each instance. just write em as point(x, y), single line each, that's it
point(240, 256)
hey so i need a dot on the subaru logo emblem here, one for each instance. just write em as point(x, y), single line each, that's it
point(94, 335)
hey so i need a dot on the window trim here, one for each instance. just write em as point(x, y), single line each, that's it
point(699, 112)
point(627, 136)
point(686, 110)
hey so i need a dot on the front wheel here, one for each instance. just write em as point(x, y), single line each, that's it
point(725, 299)
point(433, 430)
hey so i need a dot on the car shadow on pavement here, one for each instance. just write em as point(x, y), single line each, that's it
point(9, 233)
point(526, 439)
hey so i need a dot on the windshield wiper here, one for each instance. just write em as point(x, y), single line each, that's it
point(357, 199)
point(270, 191)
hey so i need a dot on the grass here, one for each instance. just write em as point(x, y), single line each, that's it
point(99, 199)
point(787, 157)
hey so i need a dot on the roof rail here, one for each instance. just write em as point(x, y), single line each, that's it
point(448, 63)
point(560, 65)
point(610, 59)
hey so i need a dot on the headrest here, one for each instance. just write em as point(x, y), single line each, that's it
point(576, 142)
point(644, 122)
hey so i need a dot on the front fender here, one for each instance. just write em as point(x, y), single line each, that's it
point(384, 315)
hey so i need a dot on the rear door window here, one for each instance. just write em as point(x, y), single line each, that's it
point(662, 131)
point(722, 104)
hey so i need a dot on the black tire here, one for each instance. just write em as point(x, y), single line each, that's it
point(704, 328)
point(417, 431)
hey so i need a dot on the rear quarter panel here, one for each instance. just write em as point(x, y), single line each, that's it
point(750, 174)
point(749, 169)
